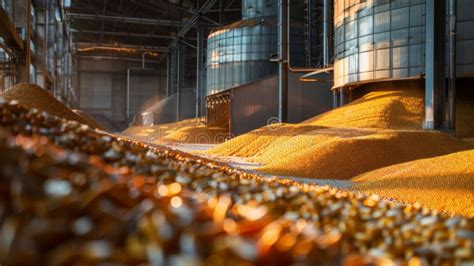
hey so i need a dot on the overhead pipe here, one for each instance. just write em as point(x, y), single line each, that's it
point(283, 37)
point(452, 67)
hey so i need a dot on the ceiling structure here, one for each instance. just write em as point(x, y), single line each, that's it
point(132, 27)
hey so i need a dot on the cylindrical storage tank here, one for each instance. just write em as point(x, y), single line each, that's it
point(259, 8)
point(383, 39)
point(240, 53)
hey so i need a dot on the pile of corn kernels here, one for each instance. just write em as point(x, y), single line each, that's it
point(73, 195)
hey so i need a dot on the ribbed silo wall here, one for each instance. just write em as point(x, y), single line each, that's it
point(241, 52)
point(385, 39)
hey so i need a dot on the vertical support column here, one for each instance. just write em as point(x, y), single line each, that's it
point(435, 76)
point(168, 73)
point(128, 94)
point(335, 102)
point(22, 19)
point(342, 95)
point(179, 69)
point(326, 33)
point(452, 67)
point(199, 66)
point(283, 61)
point(40, 56)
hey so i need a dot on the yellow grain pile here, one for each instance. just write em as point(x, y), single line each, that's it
point(255, 142)
point(198, 134)
point(377, 130)
point(185, 131)
point(442, 183)
point(158, 132)
point(33, 96)
point(335, 154)
point(89, 119)
point(395, 109)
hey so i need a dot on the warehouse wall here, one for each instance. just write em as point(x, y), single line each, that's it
point(255, 105)
point(102, 89)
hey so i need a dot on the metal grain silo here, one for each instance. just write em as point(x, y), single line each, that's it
point(240, 52)
point(259, 8)
point(385, 40)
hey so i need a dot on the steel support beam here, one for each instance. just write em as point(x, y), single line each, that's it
point(435, 74)
point(129, 46)
point(452, 67)
point(221, 12)
point(179, 69)
point(342, 97)
point(128, 95)
point(22, 20)
point(327, 32)
point(125, 34)
point(131, 20)
point(283, 61)
point(199, 66)
point(118, 58)
point(9, 33)
point(168, 78)
point(190, 24)
point(335, 100)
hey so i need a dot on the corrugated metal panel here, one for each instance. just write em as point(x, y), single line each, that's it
point(307, 99)
point(385, 39)
point(253, 105)
point(144, 86)
point(95, 91)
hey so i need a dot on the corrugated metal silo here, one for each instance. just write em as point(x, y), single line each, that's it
point(240, 52)
point(259, 8)
point(385, 39)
